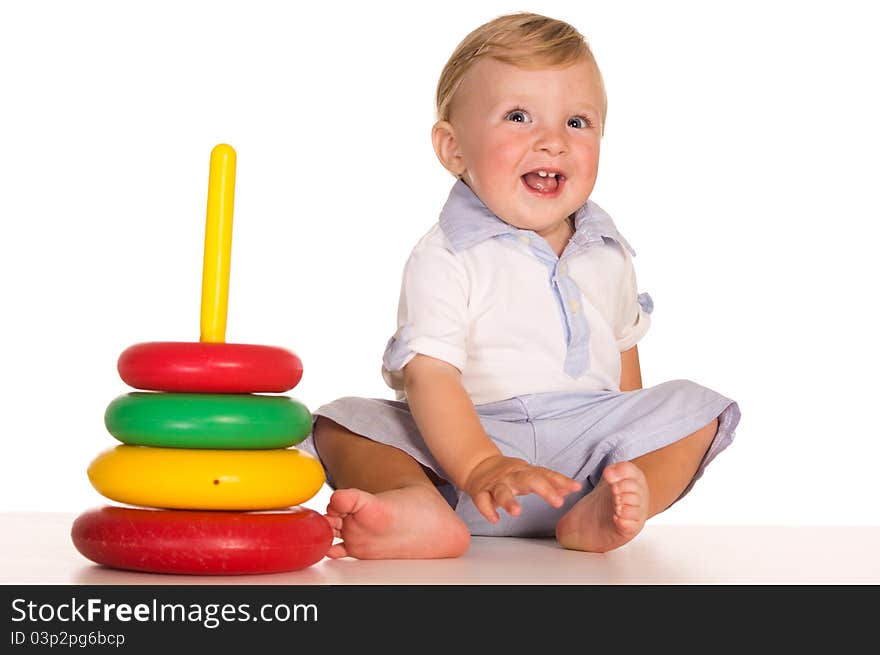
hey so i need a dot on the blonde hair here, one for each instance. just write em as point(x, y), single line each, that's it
point(521, 39)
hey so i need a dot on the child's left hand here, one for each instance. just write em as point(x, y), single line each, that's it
point(497, 480)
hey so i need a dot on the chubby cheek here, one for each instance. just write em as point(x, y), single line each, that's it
point(591, 172)
point(591, 155)
point(588, 168)
point(498, 160)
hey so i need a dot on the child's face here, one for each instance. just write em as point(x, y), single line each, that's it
point(510, 123)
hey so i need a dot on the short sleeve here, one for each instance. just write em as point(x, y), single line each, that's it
point(432, 312)
point(634, 311)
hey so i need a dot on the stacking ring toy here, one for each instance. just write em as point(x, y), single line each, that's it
point(209, 367)
point(197, 420)
point(206, 543)
point(181, 478)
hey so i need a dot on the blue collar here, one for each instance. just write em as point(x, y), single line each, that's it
point(466, 221)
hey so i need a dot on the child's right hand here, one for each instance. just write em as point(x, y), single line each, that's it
point(497, 480)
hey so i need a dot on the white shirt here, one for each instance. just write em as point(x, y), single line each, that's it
point(499, 305)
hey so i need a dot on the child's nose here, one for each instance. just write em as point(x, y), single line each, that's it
point(551, 141)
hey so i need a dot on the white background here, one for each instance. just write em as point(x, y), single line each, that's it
point(740, 160)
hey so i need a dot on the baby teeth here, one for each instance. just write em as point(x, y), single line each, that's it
point(546, 174)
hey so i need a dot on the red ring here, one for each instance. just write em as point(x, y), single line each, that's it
point(202, 543)
point(209, 367)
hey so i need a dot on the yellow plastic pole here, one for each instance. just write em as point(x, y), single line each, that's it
point(218, 244)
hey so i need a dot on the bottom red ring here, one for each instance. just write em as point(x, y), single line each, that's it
point(202, 542)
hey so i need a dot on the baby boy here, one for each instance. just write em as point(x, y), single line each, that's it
point(515, 360)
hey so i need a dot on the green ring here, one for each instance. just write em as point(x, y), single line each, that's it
point(207, 420)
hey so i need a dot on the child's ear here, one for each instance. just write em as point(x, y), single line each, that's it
point(446, 147)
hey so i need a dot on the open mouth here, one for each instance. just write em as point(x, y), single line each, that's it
point(544, 182)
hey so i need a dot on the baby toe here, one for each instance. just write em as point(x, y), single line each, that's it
point(627, 526)
point(629, 512)
point(628, 499)
point(621, 471)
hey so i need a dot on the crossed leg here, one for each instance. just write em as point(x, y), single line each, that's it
point(629, 493)
point(385, 505)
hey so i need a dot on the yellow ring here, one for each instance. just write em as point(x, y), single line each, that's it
point(183, 478)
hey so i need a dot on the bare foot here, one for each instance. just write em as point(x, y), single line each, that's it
point(610, 515)
point(409, 523)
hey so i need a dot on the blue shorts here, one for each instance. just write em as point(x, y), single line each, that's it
point(575, 433)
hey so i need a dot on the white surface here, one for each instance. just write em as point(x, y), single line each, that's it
point(37, 549)
point(740, 160)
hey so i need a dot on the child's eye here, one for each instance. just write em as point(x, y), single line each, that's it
point(518, 116)
point(579, 122)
